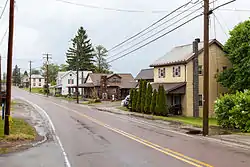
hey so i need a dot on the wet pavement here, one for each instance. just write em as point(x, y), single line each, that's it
point(94, 138)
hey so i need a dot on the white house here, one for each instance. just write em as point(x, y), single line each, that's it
point(68, 78)
point(37, 81)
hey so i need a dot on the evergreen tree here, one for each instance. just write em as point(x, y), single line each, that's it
point(131, 98)
point(143, 95)
point(25, 73)
point(138, 104)
point(134, 101)
point(80, 55)
point(161, 106)
point(153, 102)
point(148, 99)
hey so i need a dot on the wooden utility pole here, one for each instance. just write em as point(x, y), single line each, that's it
point(206, 69)
point(30, 76)
point(47, 72)
point(9, 68)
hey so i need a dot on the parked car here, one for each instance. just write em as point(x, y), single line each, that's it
point(125, 102)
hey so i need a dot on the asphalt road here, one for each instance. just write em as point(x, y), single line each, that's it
point(92, 138)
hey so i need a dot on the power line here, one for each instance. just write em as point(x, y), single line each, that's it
point(131, 39)
point(220, 25)
point(235, 10)
point(5, 33)
point(5, 5)
point(154, 34)
point(145, 29)
point(156, 38)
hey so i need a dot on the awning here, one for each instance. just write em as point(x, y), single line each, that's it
point(172, 88)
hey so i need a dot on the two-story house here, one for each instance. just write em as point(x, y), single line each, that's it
point(68, 79)
point(104, 86)
point(37, 81)
point(175, 71)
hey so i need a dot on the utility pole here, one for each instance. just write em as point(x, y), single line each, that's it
point(206, 69)
point(30, 76)
point(9, 68)
point(47, 72)
point(77, 82)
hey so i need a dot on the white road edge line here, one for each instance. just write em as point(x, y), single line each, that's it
point(66, 160)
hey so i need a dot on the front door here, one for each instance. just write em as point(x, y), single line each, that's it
point(176, 99)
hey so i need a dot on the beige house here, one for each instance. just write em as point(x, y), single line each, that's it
point(175, 71)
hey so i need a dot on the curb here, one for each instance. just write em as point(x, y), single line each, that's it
point(227, 142)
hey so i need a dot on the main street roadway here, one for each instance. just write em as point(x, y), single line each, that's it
point(91, 138)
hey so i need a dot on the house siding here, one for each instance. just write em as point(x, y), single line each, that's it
point(169, 75)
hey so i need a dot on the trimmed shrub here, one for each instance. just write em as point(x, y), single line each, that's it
point(161, 106)
point(143, 95)
point(134, 101)
point(153, 103)
point(138, 103)
point(131, 98)
point(148, 99)
point(233, 111)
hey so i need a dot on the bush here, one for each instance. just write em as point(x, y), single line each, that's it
point(143, 95)
point(148, 99)
point(131, 98)
point(161, 106)
point(134, 100)
point(233, 111)
point(153, 102)
point(138, 102)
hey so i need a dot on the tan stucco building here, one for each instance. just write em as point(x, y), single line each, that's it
point(175, 71)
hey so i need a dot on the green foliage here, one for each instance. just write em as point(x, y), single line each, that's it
point(153, 102)
point(80, 55)
point(63, 67)
point(100, 58)
point(16, 76)
point(134, 101)
point(35, 72)
point(138, 104)
point(161, 106)
point(131, 98)
point(143, 95)
point(148, 99)
point(238, 52)
point(233, 111)
point(53, 71)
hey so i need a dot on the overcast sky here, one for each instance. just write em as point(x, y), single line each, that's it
point(46, 26)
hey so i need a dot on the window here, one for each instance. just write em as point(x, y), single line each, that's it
point(224, 68)
point(70, 81)
point(200, 100)
point(34, 84)
point(40, 80)
point(34, 80)
point(200, 70)
point(70, 75)
point(114, 80)
point(161, 73)
point(176, 71)
point(40, 84)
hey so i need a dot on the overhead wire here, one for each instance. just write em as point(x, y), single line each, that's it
point(156, 38)
point(145, 29)
point(148, 30)
point(5, 5)
point(154, 33)
point(220, 25)
point(5, 33)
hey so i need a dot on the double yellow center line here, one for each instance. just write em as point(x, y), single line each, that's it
point(166, 151)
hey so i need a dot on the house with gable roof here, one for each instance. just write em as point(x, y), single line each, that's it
point(175, 71)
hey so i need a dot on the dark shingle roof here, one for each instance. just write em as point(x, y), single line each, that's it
point(145, 74)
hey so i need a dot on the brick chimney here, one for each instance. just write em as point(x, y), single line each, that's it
point(103, 87)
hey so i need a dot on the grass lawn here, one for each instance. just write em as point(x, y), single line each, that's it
point(35, 90)
point(123, 108)
point(188, 120)
point(20, 130)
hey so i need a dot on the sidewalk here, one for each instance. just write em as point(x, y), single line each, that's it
point(235, 139)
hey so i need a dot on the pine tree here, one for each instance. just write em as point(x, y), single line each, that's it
point(138, 104)
point(143, 95)
point(134, 101)
point(148, 99)
point(131, 98)
point(80, 55)
point(153, 102)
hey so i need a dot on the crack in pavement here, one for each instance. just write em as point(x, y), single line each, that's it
point(89, 153)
